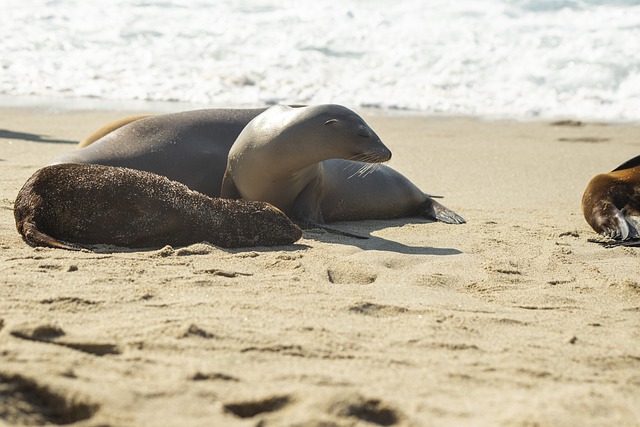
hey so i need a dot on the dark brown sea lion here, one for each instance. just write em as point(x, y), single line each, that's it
point(71, 205)
point(611, 203)
point(308, 162)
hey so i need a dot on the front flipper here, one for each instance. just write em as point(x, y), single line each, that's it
point(35, 237)
point(307, 224)
point(228, 189)
point(608, 220)
point(434, 210)
point(633, 221)
point(307, 213)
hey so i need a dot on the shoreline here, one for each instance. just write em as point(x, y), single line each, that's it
point(512, 319)
point(62, 104)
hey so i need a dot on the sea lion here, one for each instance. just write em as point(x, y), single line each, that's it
point(611, 203)
point(189, 147)
point(308, 162)
point(69, 205)
point(110, 127)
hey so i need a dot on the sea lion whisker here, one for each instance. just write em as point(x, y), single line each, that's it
point(371, 167)
point(374, 167)
point(374, 158)
point(359, 171)
point(354, 166)
point(351, 164)
point(363, 170)
point(358, 157)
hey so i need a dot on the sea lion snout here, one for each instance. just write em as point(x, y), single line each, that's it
point(374, 152)
point(283, 230)
point(384, 155)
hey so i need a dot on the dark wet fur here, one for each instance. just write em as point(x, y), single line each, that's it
point(71, 205)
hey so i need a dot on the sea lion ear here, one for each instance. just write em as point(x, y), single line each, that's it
point(331, 121)
point(364, 132)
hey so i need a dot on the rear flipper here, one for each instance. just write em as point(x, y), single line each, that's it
point(434, 210)
point(35, 237)
point(616, 243)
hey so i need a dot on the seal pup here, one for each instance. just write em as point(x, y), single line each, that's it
point(316, 164)
point(69, 205)
point(611, 203)
point(189, 147)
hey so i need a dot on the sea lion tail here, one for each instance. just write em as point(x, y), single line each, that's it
point(35, 237)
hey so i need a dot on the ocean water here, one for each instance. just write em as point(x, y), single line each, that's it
point(490, 58)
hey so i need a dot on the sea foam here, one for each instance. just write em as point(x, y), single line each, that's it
point(491, 58)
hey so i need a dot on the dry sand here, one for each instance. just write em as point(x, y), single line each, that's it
point(513, 319)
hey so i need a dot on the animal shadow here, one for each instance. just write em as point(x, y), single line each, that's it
point(370, 242)
point(9, 134)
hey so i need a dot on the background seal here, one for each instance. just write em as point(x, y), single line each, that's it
point(611, 203)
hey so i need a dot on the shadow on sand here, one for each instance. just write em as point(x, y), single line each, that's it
point(375, 243)
point(9, 134)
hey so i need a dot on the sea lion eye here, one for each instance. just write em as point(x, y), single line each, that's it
point(331, 121)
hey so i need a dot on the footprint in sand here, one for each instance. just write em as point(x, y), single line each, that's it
point(194, 331)
point(358, 408)
point(53, 334)
point(69, 304)
point(351, 273)
point(377, 310)
point(252, 408)
point(588, 139)
point(25, 402)
point(214, 376)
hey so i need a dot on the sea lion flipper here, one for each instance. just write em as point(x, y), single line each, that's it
point(616, 243)
point(307, 213)
point(307, 224)
point(434, 210)
point(633, 221)
point(609, 221)
point(229, 189)
point(35, 237)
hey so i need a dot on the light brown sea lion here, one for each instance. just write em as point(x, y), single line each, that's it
point(308, 162)
point(71, 205)
point(611, 203)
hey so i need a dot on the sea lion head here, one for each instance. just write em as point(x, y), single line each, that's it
point(348, 133)
point(604, 203)
point(268, 224)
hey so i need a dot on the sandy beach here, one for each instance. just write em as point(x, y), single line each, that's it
point(513, 319)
